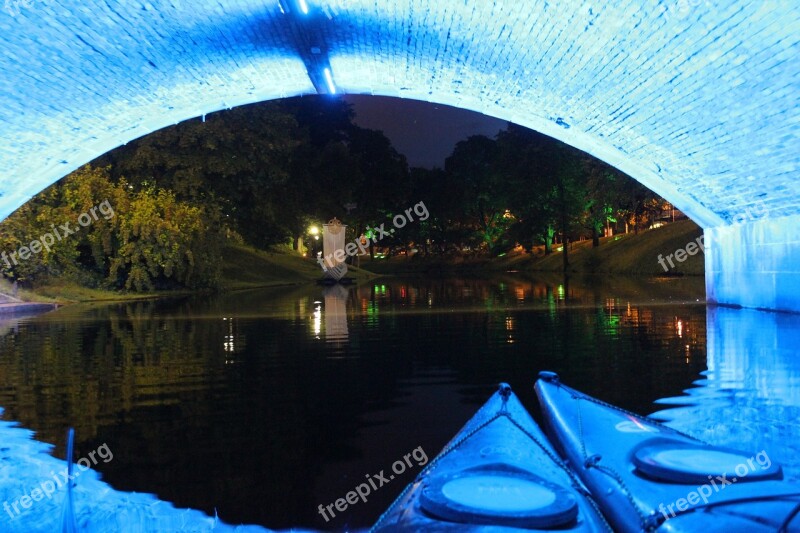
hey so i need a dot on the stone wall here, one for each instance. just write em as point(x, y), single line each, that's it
point(696, 99)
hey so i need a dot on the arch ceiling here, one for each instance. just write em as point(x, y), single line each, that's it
point(696, 99)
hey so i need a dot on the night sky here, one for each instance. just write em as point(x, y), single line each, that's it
point(425, 133)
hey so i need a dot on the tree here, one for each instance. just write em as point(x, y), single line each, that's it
point(602, 193)
point(633, 203)
point(523, 159)
point(384, 186)
point(164, 242)
point(238, 160)
point(546, 183)
point(122, 236)
point(567, 170)
point(474, 165)
point(442, 195)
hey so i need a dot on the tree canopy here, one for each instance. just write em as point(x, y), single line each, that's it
point(264, 173)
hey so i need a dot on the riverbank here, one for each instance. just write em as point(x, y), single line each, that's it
point(249, 268)
point(243, 268)
point(626, 254)
point(12, 306)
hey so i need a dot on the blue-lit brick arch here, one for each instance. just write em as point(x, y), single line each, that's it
point(696, 99)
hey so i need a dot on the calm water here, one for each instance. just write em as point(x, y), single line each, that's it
point(263, 404)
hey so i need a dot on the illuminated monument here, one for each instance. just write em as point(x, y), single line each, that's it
point(696, 99)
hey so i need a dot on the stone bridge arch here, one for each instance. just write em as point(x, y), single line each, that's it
point(696, 99)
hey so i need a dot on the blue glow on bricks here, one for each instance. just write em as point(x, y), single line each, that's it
point(697, 100)
point(755, 264)
point(329, 81)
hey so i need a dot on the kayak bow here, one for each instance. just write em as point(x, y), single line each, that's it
point(647, 476)
point(497, 474)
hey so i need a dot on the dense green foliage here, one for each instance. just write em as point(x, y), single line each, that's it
point(526, 188)
point(265, 173)
point(112, 234)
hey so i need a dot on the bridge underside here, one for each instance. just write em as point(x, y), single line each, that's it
point(697, 100)
point(755, 264)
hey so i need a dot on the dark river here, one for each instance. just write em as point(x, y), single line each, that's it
point(262, 405)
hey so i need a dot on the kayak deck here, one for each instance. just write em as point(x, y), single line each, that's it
point(647, 476)
point(498, 473)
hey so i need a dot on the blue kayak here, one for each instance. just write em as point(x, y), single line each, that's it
point(648, 477)
point(497, 474)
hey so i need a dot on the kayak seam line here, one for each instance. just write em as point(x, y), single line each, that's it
point(789, 519)
point(576, 485)
point(712, 505)
point(644, 521)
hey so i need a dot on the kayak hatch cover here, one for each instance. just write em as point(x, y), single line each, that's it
point(646, 476)
point(498, 473)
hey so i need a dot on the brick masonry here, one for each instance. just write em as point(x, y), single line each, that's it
point(696, 99)
point(755, 264)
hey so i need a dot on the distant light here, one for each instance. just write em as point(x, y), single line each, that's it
point(303, 7)
point(313, 230)
point(329, 80)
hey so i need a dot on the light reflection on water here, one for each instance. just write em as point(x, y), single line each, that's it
point(749, 397)
point(263, 404)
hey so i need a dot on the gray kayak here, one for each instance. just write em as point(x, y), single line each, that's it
point(498, 473)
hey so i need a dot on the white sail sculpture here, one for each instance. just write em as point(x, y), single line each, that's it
point(333, 235)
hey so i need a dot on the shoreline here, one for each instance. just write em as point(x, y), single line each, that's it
point(11, 310)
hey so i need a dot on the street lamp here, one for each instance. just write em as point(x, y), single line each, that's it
point(314, 232)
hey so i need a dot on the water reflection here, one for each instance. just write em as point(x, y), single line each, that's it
point(749, 397)
point(263, 404)
point(234, 340)
point(336, 314)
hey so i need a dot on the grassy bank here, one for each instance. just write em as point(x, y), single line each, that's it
point(631, 254)
point(247, 268)
point(243, 268)
point(621, 254)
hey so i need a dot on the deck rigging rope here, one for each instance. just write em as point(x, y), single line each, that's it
point(648, 522)
point(505, 393)
point(654, 520)
point(789, 518)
